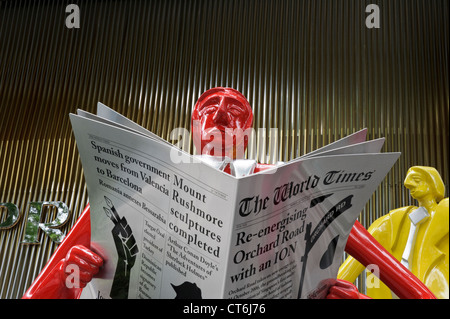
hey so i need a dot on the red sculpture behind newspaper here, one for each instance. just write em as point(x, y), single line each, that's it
point(219, 121)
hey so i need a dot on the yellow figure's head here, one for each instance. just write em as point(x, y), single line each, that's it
point(423, 182)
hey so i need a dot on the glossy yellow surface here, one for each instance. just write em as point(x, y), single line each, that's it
point(430, 261)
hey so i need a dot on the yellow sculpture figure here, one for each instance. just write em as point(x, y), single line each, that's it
point(416, 236)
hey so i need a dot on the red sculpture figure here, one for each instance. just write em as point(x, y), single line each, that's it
point(217, 113)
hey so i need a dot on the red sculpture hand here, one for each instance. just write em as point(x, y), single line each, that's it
point(79, 266)
point(53, 282)
point(344, 290)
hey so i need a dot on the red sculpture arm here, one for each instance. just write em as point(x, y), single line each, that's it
point(74, 250)
point(366, 249)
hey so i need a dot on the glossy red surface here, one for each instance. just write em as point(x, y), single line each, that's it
point(219, 122)
point(216, 110)
point(74, 250)
point(363, 247)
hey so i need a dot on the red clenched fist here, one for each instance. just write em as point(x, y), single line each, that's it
point(80, 265)
point(344, 290)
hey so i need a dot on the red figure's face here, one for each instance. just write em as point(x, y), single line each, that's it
point(220, 119)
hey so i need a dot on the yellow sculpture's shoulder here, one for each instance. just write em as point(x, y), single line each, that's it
point(386, 228)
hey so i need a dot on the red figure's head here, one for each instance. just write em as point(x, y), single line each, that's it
point(219, 122)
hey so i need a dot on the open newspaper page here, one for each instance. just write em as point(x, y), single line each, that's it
point(172, 227)
point(162, 227)
point(291, 226)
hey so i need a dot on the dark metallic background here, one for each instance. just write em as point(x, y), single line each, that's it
point(311, 69)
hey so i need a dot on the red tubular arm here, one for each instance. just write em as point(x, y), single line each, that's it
point(363, 247)
point(50, 284)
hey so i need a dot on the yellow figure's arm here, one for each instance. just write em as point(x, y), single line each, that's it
point(350, 269)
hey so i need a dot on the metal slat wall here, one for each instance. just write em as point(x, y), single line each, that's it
point(310, 69)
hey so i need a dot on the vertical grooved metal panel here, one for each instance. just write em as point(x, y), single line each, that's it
point(311, 69)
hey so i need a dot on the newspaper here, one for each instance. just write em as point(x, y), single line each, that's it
point(170, 225)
